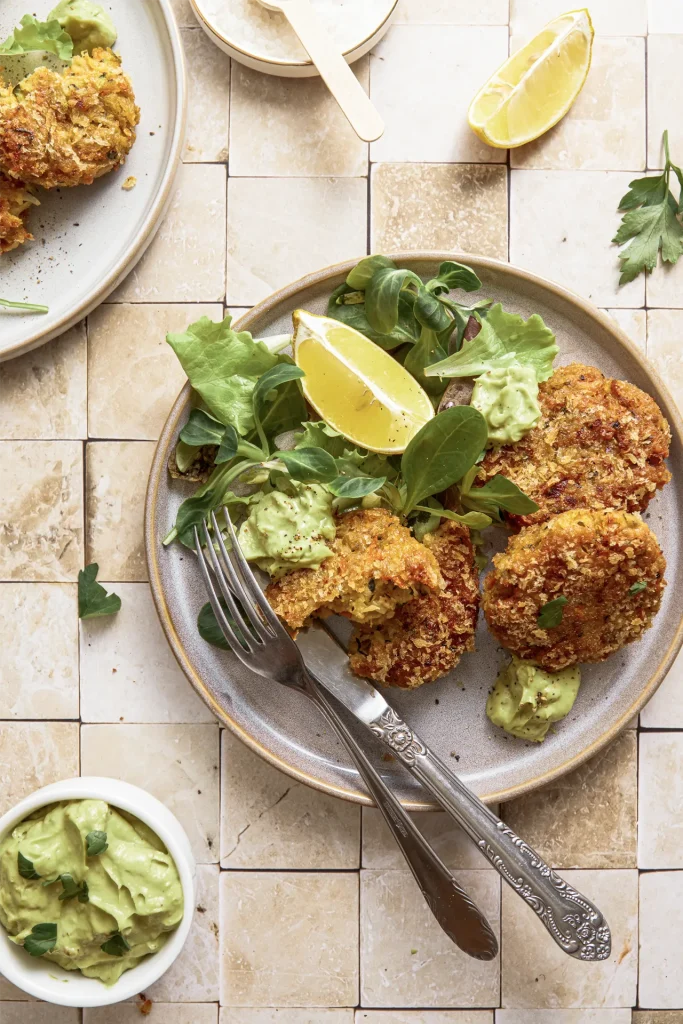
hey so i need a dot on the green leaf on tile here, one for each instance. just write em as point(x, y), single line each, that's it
point(93, 600)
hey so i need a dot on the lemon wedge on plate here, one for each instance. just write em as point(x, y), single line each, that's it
point(357, 387)
point(535, 87)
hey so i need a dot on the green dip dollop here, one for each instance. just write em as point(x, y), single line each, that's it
point(289, 529)
point(133, 886)
point(87, 23)
point(507, 398)
point(526, 700)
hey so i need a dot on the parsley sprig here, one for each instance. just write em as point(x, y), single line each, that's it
point(652, 221)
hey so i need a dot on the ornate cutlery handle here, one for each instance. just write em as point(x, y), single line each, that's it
point(576, 925)
point(462, 921)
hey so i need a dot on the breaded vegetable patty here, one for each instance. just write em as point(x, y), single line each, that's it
point(600, 443)
point(59, 130)
point(15, 201)
point(609, 567)
point(377, 565)
point(426, 637)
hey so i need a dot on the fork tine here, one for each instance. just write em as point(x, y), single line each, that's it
point(238, 588)
point(249, 640)
point(222, 619)
point(249, 580)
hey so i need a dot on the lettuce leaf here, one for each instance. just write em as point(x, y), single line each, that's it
point(504, 339)
point(32, 34)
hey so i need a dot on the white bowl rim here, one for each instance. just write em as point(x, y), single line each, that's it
point(90, 992)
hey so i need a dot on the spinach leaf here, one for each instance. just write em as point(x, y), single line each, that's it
point(26, 868)
point(382, 297)
point(441, 453)
point(636, 588)
point(32, 34)
point(363, 272)
point(550, 614)
point(267, 383)
point(312, 465)
point(116, 945)
point(202, 429)
point(454, 275)
point(96, 843)
point(93, 600)
point(43, 939)
point(356, 486)
point(504, 338)
point(499, 492)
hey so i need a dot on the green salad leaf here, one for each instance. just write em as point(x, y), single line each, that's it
point(201, 428)
point(310, 465)
point(29, 307)
point(93, 600)
point(353, 314)
point(356, 486)
point(362, 274)
point(504, 338)
point(499, 493)
point(32, 34)
point(267, 383)
point(453, 275)
point(382, 297)
point(43, 939)
point(209, 629)
point(441, 453)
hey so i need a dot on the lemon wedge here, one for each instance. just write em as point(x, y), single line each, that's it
point(535, 87)
point(357, 387)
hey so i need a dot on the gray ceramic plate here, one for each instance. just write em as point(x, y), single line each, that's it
point(88, 239)
point(282, 726)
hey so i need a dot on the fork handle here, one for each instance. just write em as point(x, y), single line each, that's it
point(576, 925)
point(451, 906)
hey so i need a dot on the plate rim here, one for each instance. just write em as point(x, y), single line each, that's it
point(156, 477)
point(151, 223)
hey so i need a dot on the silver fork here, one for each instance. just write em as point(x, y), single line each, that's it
point(262, 643)
point(573, 921)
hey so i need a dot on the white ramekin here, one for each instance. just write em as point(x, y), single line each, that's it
point(47, 981)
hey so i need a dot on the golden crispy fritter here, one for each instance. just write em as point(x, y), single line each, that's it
point(600, 443)
point(15, 201)
point(59, 130)
point(426, 637)
point(593, 559)
point(376, 566)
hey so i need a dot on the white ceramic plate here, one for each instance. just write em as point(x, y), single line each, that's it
point(87, 239)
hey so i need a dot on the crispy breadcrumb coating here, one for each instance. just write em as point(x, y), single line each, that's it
point(15, 202)
point(600, 443)
point(426, 637)
point(593, 559)
point(59, 130)
point(377, 565)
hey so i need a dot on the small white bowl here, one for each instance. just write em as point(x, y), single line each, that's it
point(47, 981)
point(208, 14)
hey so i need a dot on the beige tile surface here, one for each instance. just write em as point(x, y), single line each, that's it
point(665, 286)
point(133, 374)
point(450, 842)
point(561, 223)
point(665, 329)
point(281, 228)
point(41, 510)
point(177, 763)
point(43, 393)
point(665, 16)
point(664, 79)
point(38, 1013)
point(39, 644)
point(407, 960)
point(537, 974)
point(625, 18)
point(563, 1017)
point(305, 949)
point(270, 821)
point(185, 262)
point(605, 128)
point(448, 63)
point(128, 672)
point(193, 978)
point(660, 799)
point(284, 127)
point(129, 1013)
point(33, 754)
point(452, 12)
point(115, 486)
point(249, 1015)
point(587, 819)
point(424, 1017)
point(633, 322)
point(208, 124)
point(665, 709)
point(661, 941)
point(657, 1017)
point(458, 207)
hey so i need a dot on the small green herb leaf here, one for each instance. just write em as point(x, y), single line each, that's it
point(43, 939)
point(356, 486)
point(441, 453)
point(26, 868)
point(637, 588)
point(550, 614)
point(93, 600)
point(310, 465)
point(95, 843)
point(454, 275)
point(71, 889)
point(115, 945)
